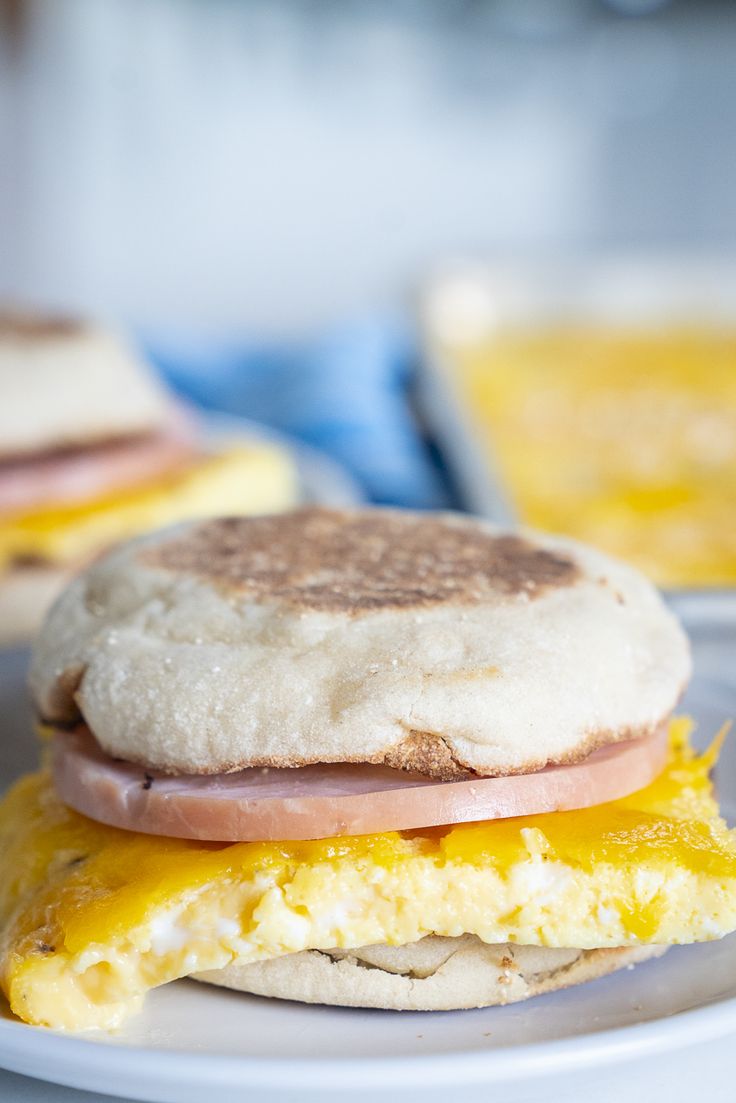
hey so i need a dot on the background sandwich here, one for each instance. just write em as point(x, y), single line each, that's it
point(93, 450)
point(368, 758)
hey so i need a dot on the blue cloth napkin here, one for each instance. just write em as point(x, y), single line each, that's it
point(346, 393)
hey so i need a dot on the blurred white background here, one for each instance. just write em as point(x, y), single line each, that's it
point(273, 165)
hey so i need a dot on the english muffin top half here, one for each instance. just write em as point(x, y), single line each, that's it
point(68, 383)
point(431, 642)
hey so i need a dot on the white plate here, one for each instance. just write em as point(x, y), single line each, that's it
point(321, 479)
point(192, 1040)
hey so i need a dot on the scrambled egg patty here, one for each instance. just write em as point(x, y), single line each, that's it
point(257, 478)
point(624, 439)
point(92, 916)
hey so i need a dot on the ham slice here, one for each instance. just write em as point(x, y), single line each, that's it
point(313, 802)
point(76, 475)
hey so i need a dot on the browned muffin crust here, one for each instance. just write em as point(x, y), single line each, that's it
point(328, 560)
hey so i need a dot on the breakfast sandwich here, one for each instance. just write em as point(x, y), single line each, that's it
point(367, 758)
point(92, 450)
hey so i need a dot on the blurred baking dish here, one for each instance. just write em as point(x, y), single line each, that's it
point(597, 400)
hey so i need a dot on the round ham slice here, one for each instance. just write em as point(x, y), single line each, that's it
point(77, 475)
point(314, 802)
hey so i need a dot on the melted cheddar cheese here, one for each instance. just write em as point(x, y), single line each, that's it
point(625, 440)
point(256, 478)
point(91, 917)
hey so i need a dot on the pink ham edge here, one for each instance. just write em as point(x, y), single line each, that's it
point(315, 802)
point(85, 473)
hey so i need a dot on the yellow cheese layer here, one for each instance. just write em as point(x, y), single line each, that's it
point(247, 479)
point(624, 440)
point(91, 917)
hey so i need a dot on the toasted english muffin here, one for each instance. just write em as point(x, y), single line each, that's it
point(434, 974)
point(436, 643)
point(66, 383)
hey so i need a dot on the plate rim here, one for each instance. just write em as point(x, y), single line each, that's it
point(90, 1063)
